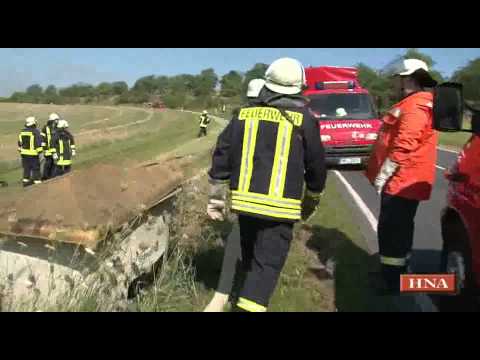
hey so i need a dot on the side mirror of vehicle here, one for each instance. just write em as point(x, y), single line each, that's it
point(448, 107)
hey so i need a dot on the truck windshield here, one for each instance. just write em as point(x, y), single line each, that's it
point(343, 106)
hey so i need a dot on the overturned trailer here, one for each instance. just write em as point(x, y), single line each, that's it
point(100, 229)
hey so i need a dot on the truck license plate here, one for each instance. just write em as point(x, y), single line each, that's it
point(345, 161)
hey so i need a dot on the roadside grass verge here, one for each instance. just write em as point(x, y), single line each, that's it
point(455, 140)
point(336, 239)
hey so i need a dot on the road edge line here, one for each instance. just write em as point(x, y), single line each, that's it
point(441, 148)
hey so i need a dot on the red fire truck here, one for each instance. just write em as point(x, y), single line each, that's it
point(348, 119)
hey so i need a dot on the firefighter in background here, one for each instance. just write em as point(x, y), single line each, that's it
point(63, 148)
point(30, 148)
point(232, 266)
point(265, 154)
point(47, 134)
point(402, 166)
point(204, 121)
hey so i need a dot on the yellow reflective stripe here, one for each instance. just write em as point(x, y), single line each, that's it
point(37, 182)
point(61, 146)
point(393, 261)
point(267, 201)
point(26, 180)
point(250, 306)
point(280, 136)
point(250, 210)
point(267, 207)
point(284, 158)
point(248, 149)
point(49, 136)
point(280, 162)
point(31, 146)
point(29, 152)
point(72, 146)
point(251, 153)
point(264, 196)
point(269, 114)
point(63, 162)
point(266, 210)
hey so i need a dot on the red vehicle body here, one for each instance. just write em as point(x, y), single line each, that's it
point(348, 136)
point(461, 218)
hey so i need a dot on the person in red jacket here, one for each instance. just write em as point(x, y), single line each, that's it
point(402, 166)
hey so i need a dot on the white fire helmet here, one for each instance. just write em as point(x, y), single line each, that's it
point(30, 121)
point(53, 116)
point(254, 87)
point(407, 67)
point(285, 76)
point(62, 124)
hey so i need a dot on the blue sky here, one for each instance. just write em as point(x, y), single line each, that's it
point(20, 68)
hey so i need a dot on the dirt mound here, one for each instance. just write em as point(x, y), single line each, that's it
point(88, 199)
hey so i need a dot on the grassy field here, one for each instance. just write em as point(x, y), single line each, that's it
point(129, 134)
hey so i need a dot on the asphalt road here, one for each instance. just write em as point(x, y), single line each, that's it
point(427, 240)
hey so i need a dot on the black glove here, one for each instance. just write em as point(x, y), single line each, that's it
point(310, 204)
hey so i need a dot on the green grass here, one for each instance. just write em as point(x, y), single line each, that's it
point(81, 118)
point(166, 131)
point(455, 139)
point(337, 236)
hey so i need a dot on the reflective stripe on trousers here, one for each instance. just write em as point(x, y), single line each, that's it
point(385, 260)
point(250, 306)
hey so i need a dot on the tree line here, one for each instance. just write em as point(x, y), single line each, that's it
point(208, 90)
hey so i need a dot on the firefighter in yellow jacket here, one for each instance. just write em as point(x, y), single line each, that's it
point(47, 134)
point(266, 154)
point(63, 148)
point(30, 148)
point(204, 121)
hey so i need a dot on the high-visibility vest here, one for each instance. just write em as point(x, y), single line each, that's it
point(30, 142)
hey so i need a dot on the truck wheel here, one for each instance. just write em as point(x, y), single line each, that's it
point(456, 259)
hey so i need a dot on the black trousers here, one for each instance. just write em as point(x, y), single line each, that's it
point(265, 245)
point(396, 227)
point(31, 170)
point(61, 170)
point(48, 168)
point(202, 132)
